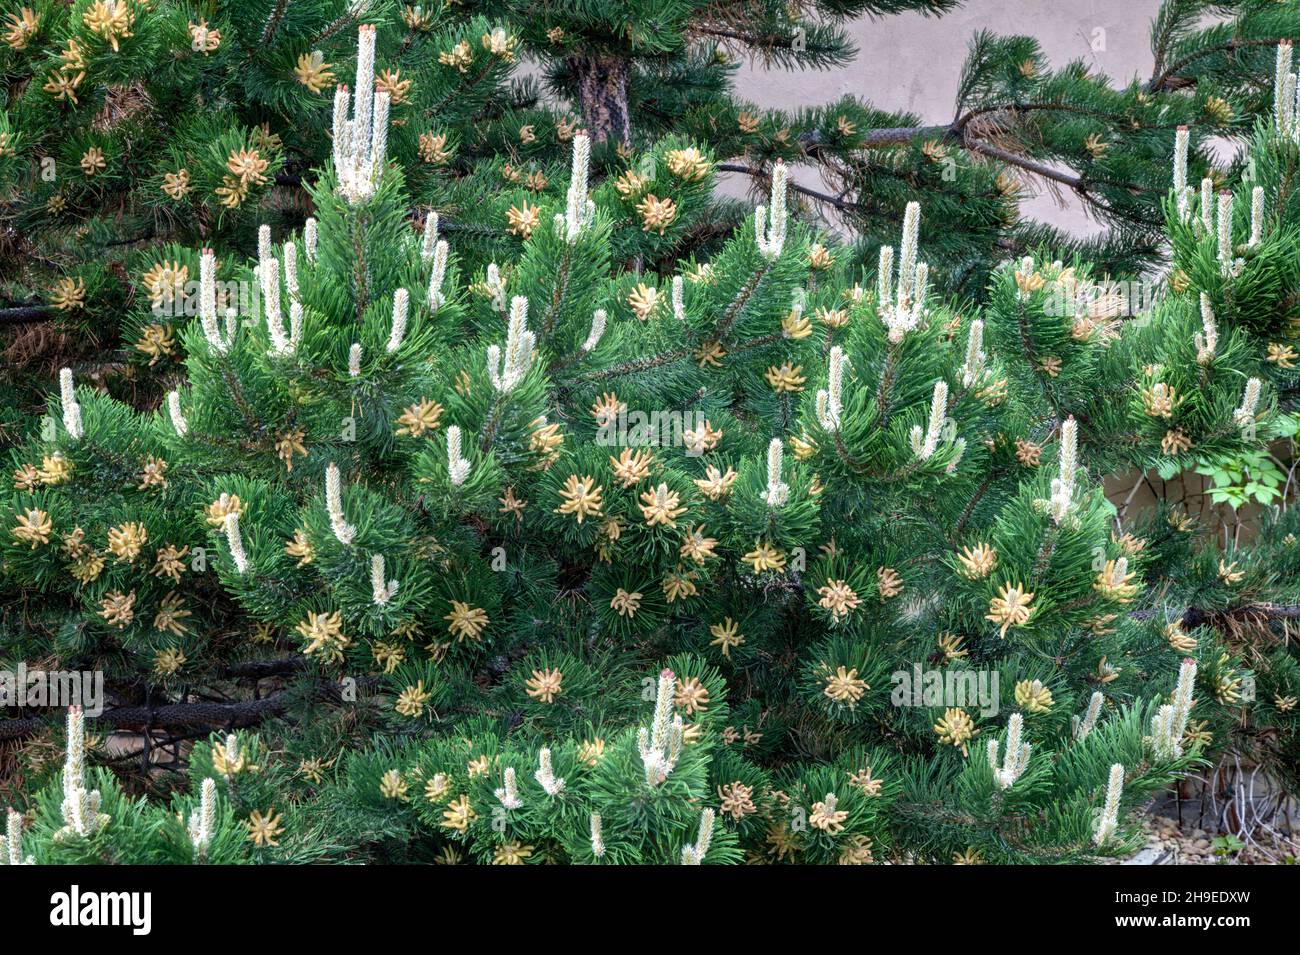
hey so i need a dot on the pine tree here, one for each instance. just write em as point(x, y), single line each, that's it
point(555, 560)
point(116, 171)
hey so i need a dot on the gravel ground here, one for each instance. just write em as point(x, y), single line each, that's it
point(1169, 843)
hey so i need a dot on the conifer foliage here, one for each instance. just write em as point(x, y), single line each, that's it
point(552, 559)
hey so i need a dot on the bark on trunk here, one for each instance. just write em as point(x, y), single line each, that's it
point(25, 314)
point(167, 716)
point(602, 92)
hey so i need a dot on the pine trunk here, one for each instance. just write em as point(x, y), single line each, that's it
point(602, 90)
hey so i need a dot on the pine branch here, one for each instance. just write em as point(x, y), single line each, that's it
point(1168, 78)
point(207, 715)
point(170, 716)
point(1192, 617)
point(837, 201)
point(957, 132)
point(273, 22)
point(25, 314)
